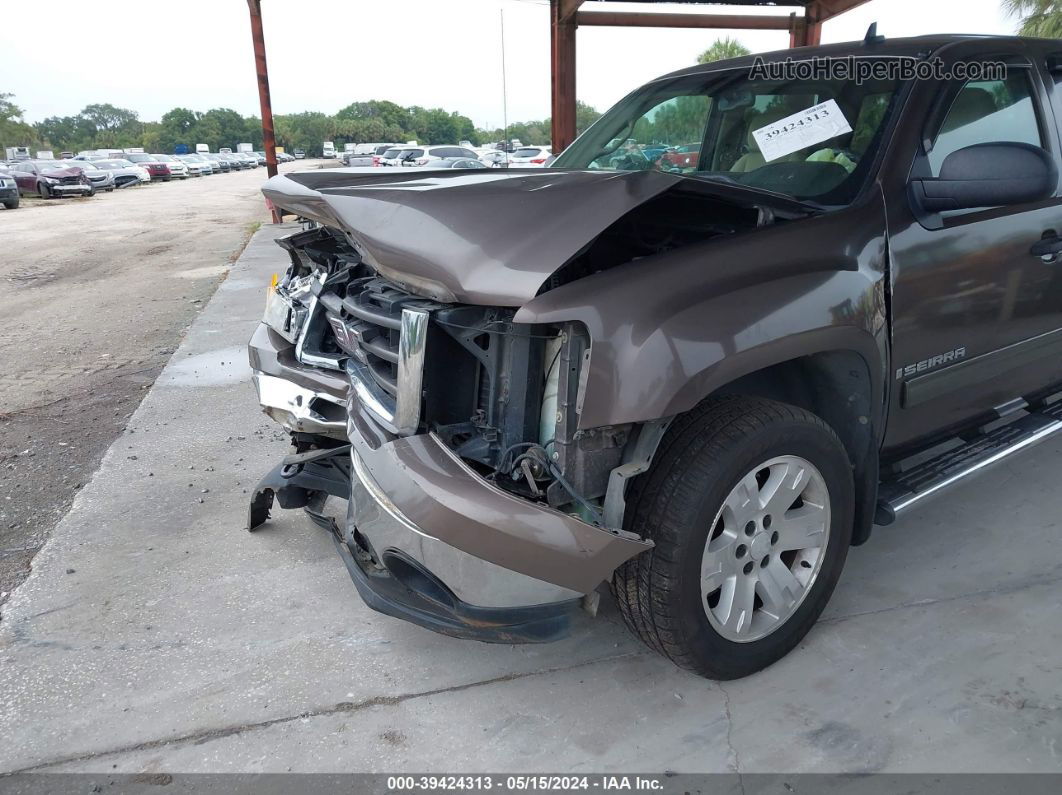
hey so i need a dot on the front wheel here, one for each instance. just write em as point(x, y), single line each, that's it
point(44, 191)
point(12, 204)
point(749, 503)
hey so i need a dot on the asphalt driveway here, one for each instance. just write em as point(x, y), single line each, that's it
point(155, 634)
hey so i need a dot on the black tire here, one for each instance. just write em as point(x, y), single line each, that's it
point(110, 190)
point(700, 460)
point(44, 191)
point(12, 204)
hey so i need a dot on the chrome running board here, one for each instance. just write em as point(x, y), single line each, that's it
point(908, 485)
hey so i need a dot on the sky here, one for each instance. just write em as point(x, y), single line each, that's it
point(151, 55)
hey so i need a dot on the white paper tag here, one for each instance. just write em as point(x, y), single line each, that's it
point(806, 128)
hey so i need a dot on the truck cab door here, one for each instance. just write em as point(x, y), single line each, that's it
point(977, 317)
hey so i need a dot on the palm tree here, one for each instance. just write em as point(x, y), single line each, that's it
point(722, 49)
point(1042, 18)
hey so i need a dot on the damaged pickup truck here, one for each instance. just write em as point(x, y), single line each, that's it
point(700, 378)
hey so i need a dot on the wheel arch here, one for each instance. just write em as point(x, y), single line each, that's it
point(837, 386)
point(840, 385)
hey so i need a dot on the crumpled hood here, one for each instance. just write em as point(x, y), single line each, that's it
point(480, 237)
point(60, 172)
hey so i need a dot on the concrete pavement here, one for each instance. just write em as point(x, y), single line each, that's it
point(156, 634)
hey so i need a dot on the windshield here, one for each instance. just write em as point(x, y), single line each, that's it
point(809, 140)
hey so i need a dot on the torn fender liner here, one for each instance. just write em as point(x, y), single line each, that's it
point(452, 230)
point(297, 478)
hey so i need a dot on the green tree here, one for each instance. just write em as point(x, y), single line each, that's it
point(108, 118)
point(226, 128)
point(1041, 18)
point(66, 133)
point(304, 131)
point(112, 126)
point(14, 131)
point(584, 116)
point(722, 49)
point(178, 127)
point(389, 113)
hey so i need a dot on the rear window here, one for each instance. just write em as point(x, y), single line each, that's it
point(527, 151)
point(382, 150)
point(392, 152)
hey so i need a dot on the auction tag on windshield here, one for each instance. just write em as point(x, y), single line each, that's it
point(806, 128)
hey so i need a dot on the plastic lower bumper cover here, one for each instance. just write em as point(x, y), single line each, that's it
point(397, 585)
point(405, 589)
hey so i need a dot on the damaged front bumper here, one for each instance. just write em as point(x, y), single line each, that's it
point(426, 538)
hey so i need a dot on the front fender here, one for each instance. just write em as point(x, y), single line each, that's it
point(669, 330)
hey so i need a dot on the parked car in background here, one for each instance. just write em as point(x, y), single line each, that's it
point(49, 178)
point(457, 162)
point(219, 161)
point(176, 167)
point(356, 159)
point(426, 154)
point(124, 172)
point(299, 154)
point(157, 169)
point(530, 156)
point(395, 156)
point(681, 157)
point(261, 157)
point(494, 158)
point(284, 157)
point(379, 152)
point(246, 159)
point(8, 189)
point(198, 166)
point(101, 179)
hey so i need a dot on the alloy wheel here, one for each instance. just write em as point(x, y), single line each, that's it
point(765, 548)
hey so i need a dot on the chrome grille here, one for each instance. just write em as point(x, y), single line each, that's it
point(384, 331)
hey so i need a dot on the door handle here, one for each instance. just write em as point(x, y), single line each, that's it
point(1048, 247)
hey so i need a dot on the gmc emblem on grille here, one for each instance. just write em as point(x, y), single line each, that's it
point(344, 338)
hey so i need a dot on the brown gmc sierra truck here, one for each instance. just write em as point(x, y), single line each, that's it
point(741, 319)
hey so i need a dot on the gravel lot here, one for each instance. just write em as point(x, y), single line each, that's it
point(97, 294)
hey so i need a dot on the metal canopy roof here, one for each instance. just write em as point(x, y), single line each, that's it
point(778, 3)
point(801, 18)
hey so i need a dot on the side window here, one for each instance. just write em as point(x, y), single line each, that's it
point(988, 111)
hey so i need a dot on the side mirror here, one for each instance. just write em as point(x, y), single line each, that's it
point(988, 175)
